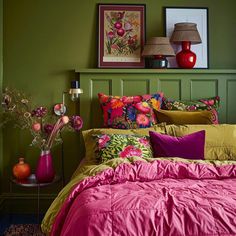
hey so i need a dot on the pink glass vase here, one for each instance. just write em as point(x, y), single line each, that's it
point(44, 170)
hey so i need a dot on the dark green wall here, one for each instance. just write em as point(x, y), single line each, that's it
point(45, 40)
point(1, 77)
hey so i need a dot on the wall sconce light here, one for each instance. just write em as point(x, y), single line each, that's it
point(74, 92)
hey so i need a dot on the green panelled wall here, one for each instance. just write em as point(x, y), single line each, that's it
point(45, 40)
point(177, 84)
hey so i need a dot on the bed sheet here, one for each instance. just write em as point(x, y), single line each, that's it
point(135, 196)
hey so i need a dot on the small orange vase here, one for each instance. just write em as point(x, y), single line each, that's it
point(21, 170)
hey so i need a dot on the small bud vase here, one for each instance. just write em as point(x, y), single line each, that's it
point(44, 171)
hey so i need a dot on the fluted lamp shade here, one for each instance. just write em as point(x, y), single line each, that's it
point(186, 33)
point(158, 48)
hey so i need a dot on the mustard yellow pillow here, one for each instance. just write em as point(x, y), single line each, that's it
point(184, 117)
point(90, 142)
point(220, 139)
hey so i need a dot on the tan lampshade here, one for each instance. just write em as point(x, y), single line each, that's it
point(185, 31)
point(158, 46)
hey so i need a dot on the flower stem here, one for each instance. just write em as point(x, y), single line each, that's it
point(52, 134)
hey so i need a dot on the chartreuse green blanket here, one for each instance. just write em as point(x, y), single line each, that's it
point(89, 169)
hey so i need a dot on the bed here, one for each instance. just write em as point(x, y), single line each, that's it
point(142, 195)
point(138, 196)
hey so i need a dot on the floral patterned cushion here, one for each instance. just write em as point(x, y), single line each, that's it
point(130, 112)
point(122, 146)
point(210, 104)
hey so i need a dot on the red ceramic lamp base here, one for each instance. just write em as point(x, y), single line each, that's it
point(186, 58)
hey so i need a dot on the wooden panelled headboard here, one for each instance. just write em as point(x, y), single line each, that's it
point(175, 83)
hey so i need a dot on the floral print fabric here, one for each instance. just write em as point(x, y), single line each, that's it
point(130, 112)
point(122, 146)
point(210, 104)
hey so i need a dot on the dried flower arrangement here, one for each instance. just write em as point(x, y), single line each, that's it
point(46, 128)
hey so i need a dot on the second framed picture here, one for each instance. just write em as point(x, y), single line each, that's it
point(121, 32)
point(199, 16)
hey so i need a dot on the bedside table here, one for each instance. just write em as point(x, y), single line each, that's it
point(31, 182)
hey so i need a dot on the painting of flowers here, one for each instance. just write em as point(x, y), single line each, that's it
point(121, 36)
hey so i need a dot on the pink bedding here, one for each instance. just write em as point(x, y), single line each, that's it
point(163, 197)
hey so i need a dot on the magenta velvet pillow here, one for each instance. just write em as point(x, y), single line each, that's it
point(190, 146)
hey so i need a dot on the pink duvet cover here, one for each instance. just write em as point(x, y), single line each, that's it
point(159, 198)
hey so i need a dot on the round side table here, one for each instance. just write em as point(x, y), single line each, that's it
point(31, 182)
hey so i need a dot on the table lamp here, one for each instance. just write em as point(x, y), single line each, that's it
point(156, 50)
point(74, 91)
point(186, 33)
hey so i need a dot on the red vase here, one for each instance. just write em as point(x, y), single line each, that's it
point(186, 58)
point(44, 171)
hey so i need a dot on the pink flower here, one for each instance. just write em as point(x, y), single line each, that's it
point(130, 151)
point(116, 112)
point(127, 100)
point(103, 141)
point(76, 122)
point(39, 112)
point(192, 108)
point(161, 94)
point(65, 119)
point(36, 127)
point(209, 102)
point(128, 26)
point(147, 96)
point(118, 25)
point(143, 107)
point(144, 141)
point(137, 99)
point(142, 120)
point(110, 35)
point(114, 46)
point(48, 128)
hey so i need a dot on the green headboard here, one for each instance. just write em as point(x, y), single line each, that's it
point(175, 83)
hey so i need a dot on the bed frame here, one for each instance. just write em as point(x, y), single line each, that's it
point(175, 83)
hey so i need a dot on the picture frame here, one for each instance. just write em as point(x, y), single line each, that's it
point(121, 35)
point(198, 15)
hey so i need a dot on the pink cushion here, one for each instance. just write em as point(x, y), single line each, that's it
point(190, 146)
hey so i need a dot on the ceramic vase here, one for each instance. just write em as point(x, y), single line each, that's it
point(186, 58)
point(45, 171)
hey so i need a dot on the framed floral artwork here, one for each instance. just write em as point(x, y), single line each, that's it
point(121, 30)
